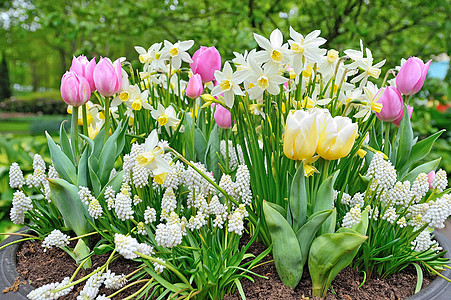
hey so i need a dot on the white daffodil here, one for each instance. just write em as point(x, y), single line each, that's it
point(328, 63)
point(366, 64)
point(177, 52)
point(275, 52)
point(151, 57)
point(228, 83)
point(152, 156)
point(310, 102)
point(266, 79)
point(165, 116)
point(305, 48)
point(370, 102)
point(123, 94)
point(137, 99)
point(241, 62)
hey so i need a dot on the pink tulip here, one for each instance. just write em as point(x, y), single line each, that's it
point(392, 105)
point(431, 176)
point(107, 78)
point(75, 89)
point(195, 87)
point(398, 120)
point(223, 117)
point(85, 68)
point(411, 76)
point(206, 61)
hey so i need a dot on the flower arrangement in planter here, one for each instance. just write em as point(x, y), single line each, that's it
point(292, 144)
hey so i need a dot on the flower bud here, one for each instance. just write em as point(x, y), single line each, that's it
point(411, 76)
point(74, 89)
point(107, 78)
point(431, 176)
point(206, 61)
point(336, 138)
point(392, 105)
point(223, 117)
point(398, 120)
point(195, 87)
point(85, 68)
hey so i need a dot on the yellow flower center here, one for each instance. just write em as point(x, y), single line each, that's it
point(276, 56)
point(373, 72)
point(174, 51)
point(226, 85)
point(124, 96)
point(163, 119)
point(361, 153)
point(159, 179)
point(377, 107)
point(298, 48)
point(145, 158)
point(130, 121)
point(263, 82)
point(307, 72)
point(136, 105)
point(309, 170)
point(157, 55)
point(143, 58)
point(332, 55)
point(251, 85)
point(144, 75)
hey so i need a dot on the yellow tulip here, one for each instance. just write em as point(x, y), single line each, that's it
point(301, 134)
point(336, 138)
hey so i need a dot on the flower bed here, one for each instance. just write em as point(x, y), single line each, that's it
point(297, 147)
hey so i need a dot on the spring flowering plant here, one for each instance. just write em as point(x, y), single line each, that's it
point(170, 164)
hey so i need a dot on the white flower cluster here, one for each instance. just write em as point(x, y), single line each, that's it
point(400, 194)
point(126, 245)
point(390, 215)
point(150, 215)
point(91, 288)
point(242, 185)
point(420, 187)
point(195, 182)
point(55, 239)
point(20, 205)
point(219, 210)
point(113, 281)
point(175, 177)
point(85, 195)
point(141, 228)
point(38, 176)
point(95, 209)
point(123, 203)
point(140, 176)
point(383, 173)
point(424, 242)
point(109, 197)
point(352, 217)
point(169, 201)
point(16, 179)
point(52, 172)
point(197, 221)
point(169, 235)
point(45, 292)
point(440, 181)
point(159, 267)
point(438, 211)
point(236, 223)
point(235, 153)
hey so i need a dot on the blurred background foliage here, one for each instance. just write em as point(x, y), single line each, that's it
point(39, 37)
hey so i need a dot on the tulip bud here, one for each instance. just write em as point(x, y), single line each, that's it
point(392, 105)
point(411, 76)
point(107, 78)
point(195, 87)
point(301, 134)
point(85, 68)
point(336, 138)
point(206, 61)
point(74, 89)
point(431, 176)
point(398, 120)
point(223, 117)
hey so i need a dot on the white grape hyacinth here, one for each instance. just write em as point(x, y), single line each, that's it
point(55, 239)
point(126, 245)
point(46, 292)
point(16, 179)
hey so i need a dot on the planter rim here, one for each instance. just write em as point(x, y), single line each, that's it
point(438, 289)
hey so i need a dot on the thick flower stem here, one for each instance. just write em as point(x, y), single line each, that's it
point(74, 134)
point(387, 138)
point(107, 117)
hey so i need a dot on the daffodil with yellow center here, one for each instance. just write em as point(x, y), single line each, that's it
point(152, 156)
point(332, 56)
point(137, 105)
point(124, 96)
point(165, 116)
point(228, 84)
point(274, 51)
point(305, 49)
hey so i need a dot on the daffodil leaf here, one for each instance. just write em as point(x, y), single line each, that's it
point(298, 199)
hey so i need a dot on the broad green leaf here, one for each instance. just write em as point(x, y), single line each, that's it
point(403, 141)
point(83, 169)
point(188, 137)
point(298, 199)
point(64, 142)
point(211, 154)
point(61, 162)
point(420, 150)
point(325, 201)
point(65, 197)
point(328, 253)
point(286, 251)
point(277, 207)
point(115, 183)
point(307, 232)
point(362, 226)
point(200, 145)
point(121, 137)
point(99, 140)
point(424, 168)
point(95, 181)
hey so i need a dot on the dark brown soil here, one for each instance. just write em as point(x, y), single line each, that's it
point(39, 268)
point(345, 286)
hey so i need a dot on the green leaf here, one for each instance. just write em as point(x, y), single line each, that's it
point(419, 277)
point(277, 207)
point(211, 154)
point(188, 137)
point(362, 226)
point(420, 150)
point(403, 141)
point(298, 199)
point(64, 142)
point(95, 181)
point(328, 255)
point(65, 197)
point(307, 232)
point(61, 162)
point(200, 145)
point(286, 251)
point(83, 169)
point(424, 168)
point(325, 201)
point(107, 158)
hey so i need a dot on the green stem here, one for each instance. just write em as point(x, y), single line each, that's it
point(149, 281)
point(85, 119)
point(387, 137)
point(194, 124)
point(107, 117)
point(18, 241)
point(74, 134)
